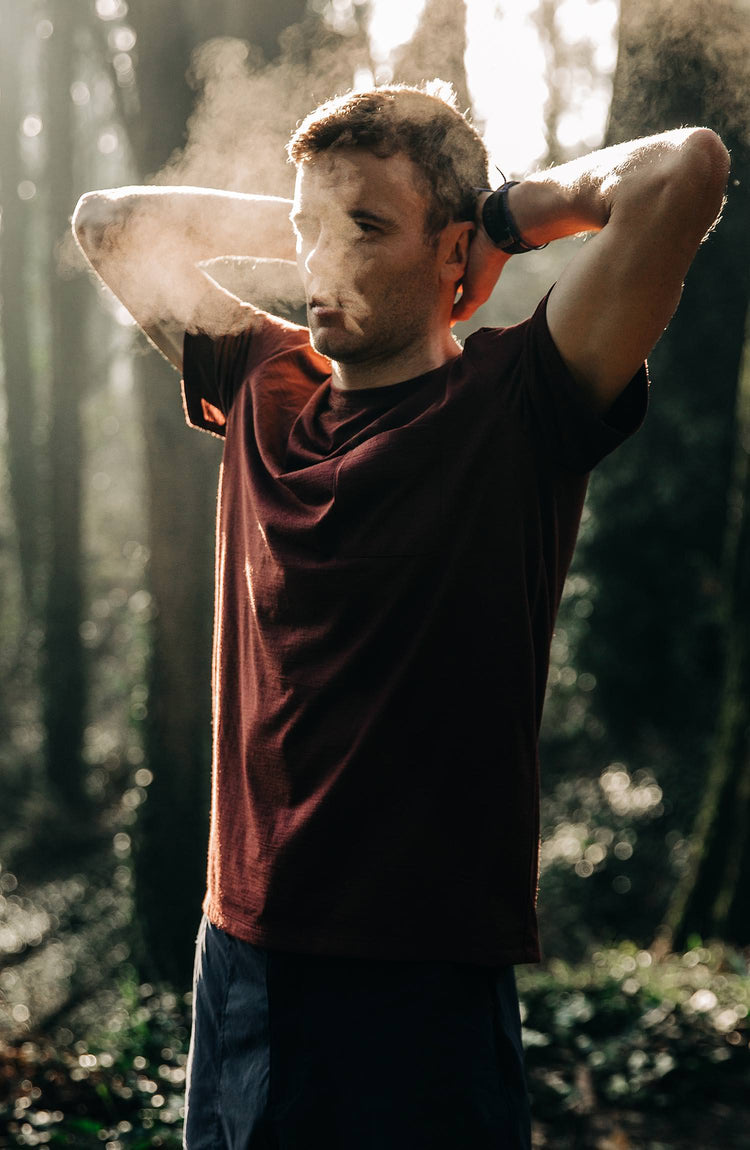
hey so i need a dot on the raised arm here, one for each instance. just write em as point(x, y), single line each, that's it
point(147, 243)
point(651, 202)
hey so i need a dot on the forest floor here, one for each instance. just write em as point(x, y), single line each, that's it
point(622, 1052)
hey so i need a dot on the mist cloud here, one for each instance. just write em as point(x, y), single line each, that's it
point(245, 111)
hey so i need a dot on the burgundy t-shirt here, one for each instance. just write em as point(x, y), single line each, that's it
point(389, 565)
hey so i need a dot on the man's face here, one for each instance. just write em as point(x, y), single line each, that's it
point(370, 274)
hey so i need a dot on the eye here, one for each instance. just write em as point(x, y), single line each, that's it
point(366, 227)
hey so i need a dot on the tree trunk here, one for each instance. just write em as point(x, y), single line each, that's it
point(14, 304)
point(261, 25)
point(64, 669)
point(663, 601)
point(437, 49)
point(712, 897)
point(660, 503)
point(170, 856)
point(181, 470)
point(555, 105)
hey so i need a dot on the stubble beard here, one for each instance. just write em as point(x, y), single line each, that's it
point(337, 350)
point(394, 335)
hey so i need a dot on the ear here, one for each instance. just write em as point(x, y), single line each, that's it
point(455, 241)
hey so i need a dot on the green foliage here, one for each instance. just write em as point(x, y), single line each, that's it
point(121, 1087)
point(665, 1040)
point(625, 1036)
point(609, 860)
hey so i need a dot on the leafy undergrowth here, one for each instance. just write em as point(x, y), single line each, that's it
point(628, 1051)
point(121, 1086)
point(624, 1051)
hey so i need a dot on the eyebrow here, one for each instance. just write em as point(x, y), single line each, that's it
point(297, 218)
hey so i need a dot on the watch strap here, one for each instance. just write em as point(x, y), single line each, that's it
point(499, 224)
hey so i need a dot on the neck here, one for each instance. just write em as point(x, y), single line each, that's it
point(409, 364)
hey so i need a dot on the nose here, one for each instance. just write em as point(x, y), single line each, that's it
point(322, 255)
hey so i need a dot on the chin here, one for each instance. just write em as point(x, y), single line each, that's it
point(334, 347)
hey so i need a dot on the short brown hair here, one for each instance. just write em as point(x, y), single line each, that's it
point(422, 123)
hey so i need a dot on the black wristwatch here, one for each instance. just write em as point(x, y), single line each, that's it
point(498, 222)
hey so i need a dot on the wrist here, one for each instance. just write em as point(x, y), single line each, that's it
point(499, 223)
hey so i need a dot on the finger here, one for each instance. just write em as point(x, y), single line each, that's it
point(463, 308)
point(474, 292)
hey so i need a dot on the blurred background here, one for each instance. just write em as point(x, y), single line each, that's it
point(637, 1023)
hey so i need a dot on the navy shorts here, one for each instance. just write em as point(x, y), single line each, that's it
point(300, 1052)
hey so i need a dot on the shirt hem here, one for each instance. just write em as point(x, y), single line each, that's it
point(346, 944)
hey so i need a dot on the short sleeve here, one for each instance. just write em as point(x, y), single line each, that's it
point(213, 369)
point(576, 437)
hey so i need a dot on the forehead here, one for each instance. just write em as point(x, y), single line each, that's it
point(348, 178)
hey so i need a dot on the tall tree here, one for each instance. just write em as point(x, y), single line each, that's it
point(437, 48)
point(660, 504)
point(181, 483)
point(712, 898)
point(14, 303)
point(571, 74)
point(260, 25)
point(64, 667)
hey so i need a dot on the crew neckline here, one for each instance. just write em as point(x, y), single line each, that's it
point(342, 398)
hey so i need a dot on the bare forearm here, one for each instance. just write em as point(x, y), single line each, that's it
point(687, 166)
point(146, 244)
point(195, 223)
point(656, 198)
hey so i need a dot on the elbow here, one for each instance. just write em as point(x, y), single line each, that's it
point(687, 190)
point(82, 211)
point(94, 215)
point(82, 222)
point(710, 151)
point(706, 175)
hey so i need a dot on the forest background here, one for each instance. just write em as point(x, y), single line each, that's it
point(637, 1023)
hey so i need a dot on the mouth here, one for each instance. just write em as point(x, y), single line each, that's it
point(323, 308)
point(329, 311)
point(325, 312)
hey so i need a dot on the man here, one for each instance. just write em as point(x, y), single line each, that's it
point(397, 515)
